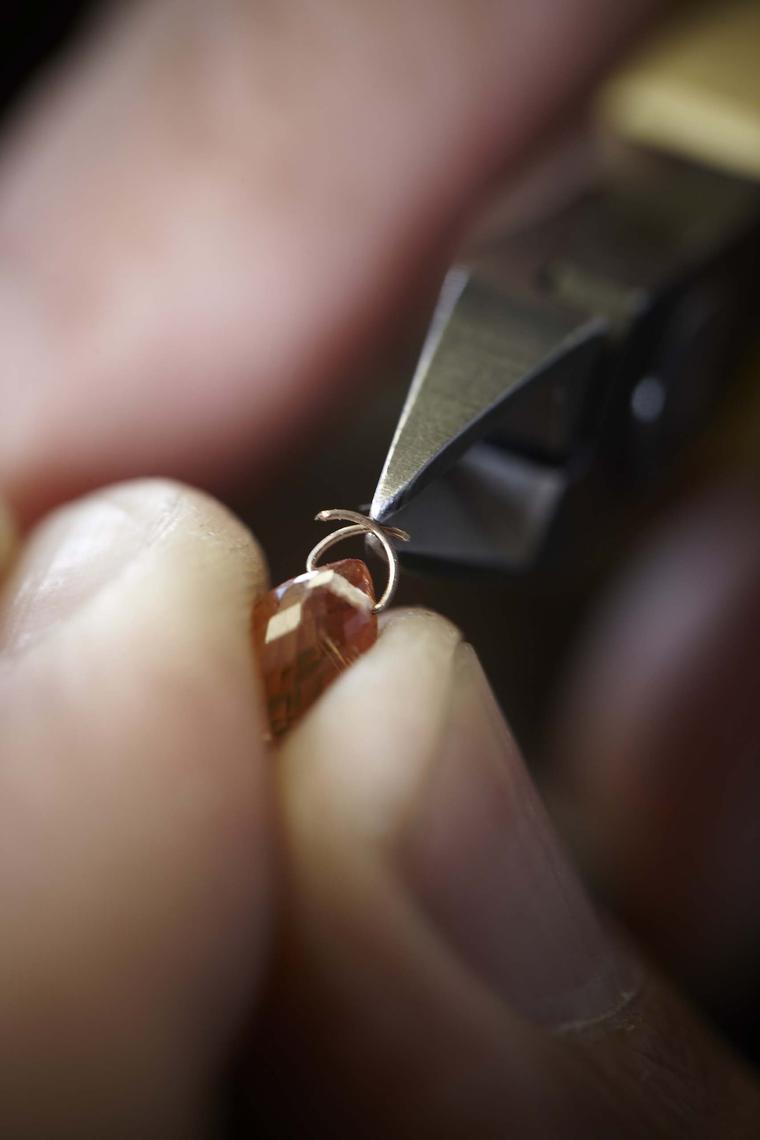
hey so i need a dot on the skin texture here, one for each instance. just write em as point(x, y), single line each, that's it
point(384, 919)
point(377, 931)
point(134, 874)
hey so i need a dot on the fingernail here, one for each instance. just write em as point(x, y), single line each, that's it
point(481, 856)
point(75, 553)
point(408, 751)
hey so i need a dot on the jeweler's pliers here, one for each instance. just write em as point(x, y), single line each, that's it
point(564, 366)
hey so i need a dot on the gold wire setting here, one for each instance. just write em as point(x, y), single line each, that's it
point(361, 524)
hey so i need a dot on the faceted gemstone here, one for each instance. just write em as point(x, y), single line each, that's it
point(307, 631)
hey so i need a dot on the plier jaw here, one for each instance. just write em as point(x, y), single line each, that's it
point(565, 365)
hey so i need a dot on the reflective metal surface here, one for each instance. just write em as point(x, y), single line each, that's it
point(589, 345)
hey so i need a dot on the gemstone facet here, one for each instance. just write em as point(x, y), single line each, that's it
point(307, 631)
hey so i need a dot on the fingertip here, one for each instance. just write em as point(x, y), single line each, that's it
point(85, 546)
point(435, 929)
point(136, 812)
point(365, 743)
point(408, 764)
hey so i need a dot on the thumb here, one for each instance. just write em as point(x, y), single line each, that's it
point(443, 972)
point(134, 838)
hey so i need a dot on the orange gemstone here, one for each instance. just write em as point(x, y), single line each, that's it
point(307, 631)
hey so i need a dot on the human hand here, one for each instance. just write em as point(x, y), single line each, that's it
point(379, 919)
point(181, 281)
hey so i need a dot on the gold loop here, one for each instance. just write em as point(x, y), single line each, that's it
point(362, 525)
